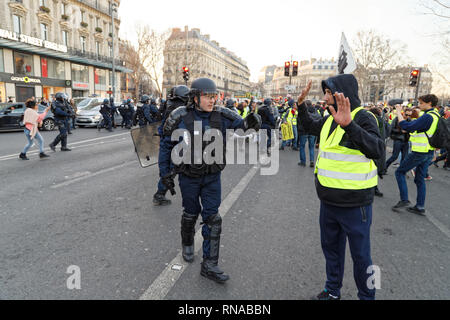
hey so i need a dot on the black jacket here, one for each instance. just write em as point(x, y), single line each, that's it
point(361, 134)
point(397, 132)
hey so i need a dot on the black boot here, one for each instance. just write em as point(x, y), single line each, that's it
point(210, 268)
point(159, 199)
point(65, 149)
point(188, 222)
point(43, 155)
point(23, 156)
point(52, 147)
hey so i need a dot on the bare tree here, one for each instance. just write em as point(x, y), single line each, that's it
point(132, 57)
point(376, 56)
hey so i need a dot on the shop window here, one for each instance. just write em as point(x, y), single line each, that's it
point(52, 68)
point(100, 76)
point(80, 73)
point(2, 92)
point(23, 64)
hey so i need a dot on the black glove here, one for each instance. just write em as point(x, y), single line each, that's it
point(169, 183)
point(253, 121)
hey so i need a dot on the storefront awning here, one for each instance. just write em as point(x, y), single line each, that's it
point(4, 43)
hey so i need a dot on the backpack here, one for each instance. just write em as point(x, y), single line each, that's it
point(441, 138)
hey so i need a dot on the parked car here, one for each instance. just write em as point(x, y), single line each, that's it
point(11, 117)
point(89, 102)
point(90, 116)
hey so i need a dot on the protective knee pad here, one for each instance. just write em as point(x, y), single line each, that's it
point(214, 225)
point(188, 222)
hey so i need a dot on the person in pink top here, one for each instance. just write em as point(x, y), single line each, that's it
point(33, 120)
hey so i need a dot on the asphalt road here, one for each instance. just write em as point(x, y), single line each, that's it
point(92, 208)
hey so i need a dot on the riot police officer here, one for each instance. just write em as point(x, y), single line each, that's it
point(122, 112)
point(105, 111)
point(200, 183)
point(129, 114)
point(178, 96)
point(62, 115)
point(146, 113)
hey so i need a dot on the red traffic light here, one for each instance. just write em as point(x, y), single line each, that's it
point(415, 73)
point(295, 63)
point(287, 64)
point(185, 69)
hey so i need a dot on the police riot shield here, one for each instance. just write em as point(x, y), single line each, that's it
point(146, 144)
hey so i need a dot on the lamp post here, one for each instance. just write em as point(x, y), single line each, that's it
point(113, 9)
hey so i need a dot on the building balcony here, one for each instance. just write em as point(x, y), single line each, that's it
point(97, 6)
point(94, 56)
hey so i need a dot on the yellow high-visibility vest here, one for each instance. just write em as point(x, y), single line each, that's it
point(419, 140)
point(292, 119)
point(339, 167)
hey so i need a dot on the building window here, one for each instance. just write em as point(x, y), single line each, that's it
point(52, 68)
point(23, 63)
point(110, 51)
point(65, 37)
point(83, 44)
point(100, 77)
point(44, 31)
point(97, 22)
point(42, 3)
point(83, 16)
point(97, 48)
point(63, 8)
point(17, 24)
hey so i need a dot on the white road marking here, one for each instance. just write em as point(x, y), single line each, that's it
point(438, 225)
point(90, 175)
point(15, 156)
point(169, 276)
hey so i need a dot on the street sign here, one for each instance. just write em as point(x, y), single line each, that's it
point(290, 88)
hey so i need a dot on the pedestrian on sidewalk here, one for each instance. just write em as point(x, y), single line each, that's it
point(346, 177)
point(32, 121)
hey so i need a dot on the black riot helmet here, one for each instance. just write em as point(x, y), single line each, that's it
point(201, 87)
point(105, 101)
point(145, 98)
point(181, 93)
point(60, 96)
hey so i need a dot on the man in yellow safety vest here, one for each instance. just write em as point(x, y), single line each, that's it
point(421, 155)
point(346, 177)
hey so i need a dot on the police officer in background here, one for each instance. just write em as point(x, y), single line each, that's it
point(346, 177)
point(62, 115)
point(178, 96)
point(129, 114)
point(105, 111)
point(201, 184)
point(145, 114)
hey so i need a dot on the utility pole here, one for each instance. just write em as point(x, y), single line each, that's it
point(113, 9)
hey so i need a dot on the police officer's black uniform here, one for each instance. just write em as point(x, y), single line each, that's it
point(62, 115)
point(200, 183)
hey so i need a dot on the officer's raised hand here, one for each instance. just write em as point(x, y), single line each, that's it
point(343, 116)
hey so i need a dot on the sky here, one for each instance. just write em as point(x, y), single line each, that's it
point(268, 32)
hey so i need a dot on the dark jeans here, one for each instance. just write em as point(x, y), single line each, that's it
point(311, 144)
point(336, 226)
point(420, 161)
point(399, 146)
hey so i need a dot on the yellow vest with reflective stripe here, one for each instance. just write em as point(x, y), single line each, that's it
point(292, 118)
point(339, 167)
point(419, 140)
point(243, 113)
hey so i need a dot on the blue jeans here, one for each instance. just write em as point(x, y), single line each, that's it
point(399, 147)
point(336, 226)
point(420, 161)
point(311, 144)
point(38, 137)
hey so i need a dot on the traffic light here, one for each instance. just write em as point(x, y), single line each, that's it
point(186, 74)
point(287, 68)
point(413, 78)
point(295, 69)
